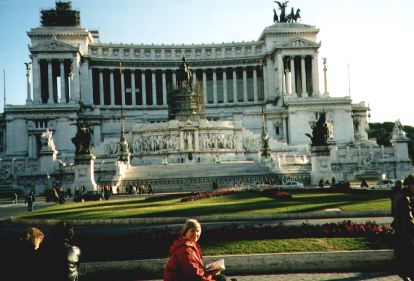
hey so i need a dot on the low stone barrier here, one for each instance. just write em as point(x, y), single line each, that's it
point(213, 218)
point(370, 260)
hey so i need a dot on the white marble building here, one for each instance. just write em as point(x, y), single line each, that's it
point(70, 65)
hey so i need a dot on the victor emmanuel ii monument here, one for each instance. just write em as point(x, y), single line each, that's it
point(159, 113)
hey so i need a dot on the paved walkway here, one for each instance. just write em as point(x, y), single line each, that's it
point(348, 276)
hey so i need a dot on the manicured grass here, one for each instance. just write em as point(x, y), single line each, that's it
point(286, 245)
point(242, 203)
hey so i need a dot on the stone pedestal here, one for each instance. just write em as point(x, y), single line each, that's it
point(47, 160)
point(321, 164)
point(84, 172)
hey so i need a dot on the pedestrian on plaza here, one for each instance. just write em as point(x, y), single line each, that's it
point(321, 183)
point(186, 260)
point(150, 190)
point(403, 225)
point(30, 199)
point(364, 183)
point(61, 259)
point(27, 254)
point(15, 198)
point(333, 181)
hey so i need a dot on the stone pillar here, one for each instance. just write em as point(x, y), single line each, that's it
point(286, 81)
point(75, 86)
point(235, 100)
point(133, 90)
point(121, 71)
point(265, 86)
point(90, 88)
point(245, 98)
point(154, 87)
point(315, 76)
point(225, 98)
point(143, 88)
point(284, 128)
point(164, 88)
point(215, 100)
point(101, 88)
point(292, 76)
point(196, 141)
point(280, 72)
point(255, 95)
point(195, 77)
point(62, 82)
point(112, 86)
point(205, 85)
point(50, 82)
point(181, 141)
point(36, 80)
point(303, 72)
point(174, 80)
point(270, 78)
point(29, 94)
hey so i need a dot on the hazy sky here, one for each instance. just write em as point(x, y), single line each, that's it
point(374, 37)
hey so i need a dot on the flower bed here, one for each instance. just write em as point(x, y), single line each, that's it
point(276, 193)
point(208, 194)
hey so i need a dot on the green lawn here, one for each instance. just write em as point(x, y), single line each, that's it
point(242, 203)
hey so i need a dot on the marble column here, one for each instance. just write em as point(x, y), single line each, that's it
point(133, 90)
point(112, 86)
point(62, 82)
point(75, 87)
point(36, 80)
point(265, 87)
point(280, 72)
point(215, 100)
point(28, 86)
point(270, 78)
point(174, 80)
point(235, 98)
point(303, 72)
point(195, 77)
point(245, 98)
point(50, 82)
point(284, 128)
point(225, 99)
point(101, 88)
point(255, 96)
point(164, 88)
point(143, 88)
point(123, 98)
point(315, 76)
point(154, 87)
point(286, 81)
point(205, 85)
point(292, 76)
point(90, 86)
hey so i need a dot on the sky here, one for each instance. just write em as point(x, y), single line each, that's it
point(368, 43)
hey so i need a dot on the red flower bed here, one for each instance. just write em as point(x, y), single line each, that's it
point(208, 194)
point(276, 193)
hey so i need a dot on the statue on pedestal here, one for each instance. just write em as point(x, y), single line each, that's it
point(82, 140)
point(184, 75)
point(320, 131)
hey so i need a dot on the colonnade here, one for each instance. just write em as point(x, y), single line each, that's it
point(138, 86)
point(47, 72)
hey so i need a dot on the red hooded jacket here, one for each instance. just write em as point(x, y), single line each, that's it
point(185, 263)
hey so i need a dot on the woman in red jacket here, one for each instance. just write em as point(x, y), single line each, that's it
point(186, 260)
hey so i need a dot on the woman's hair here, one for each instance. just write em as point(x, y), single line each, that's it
point(190, 224)
point(32, 234)
point(409, 180)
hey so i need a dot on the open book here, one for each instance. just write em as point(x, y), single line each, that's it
point(216, 266)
